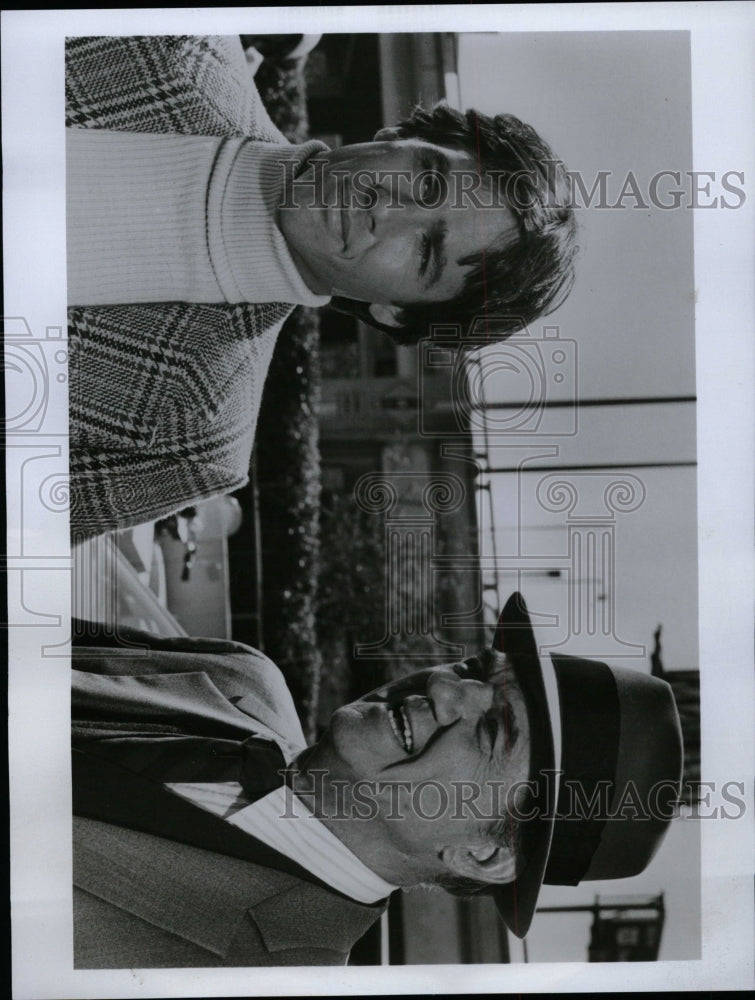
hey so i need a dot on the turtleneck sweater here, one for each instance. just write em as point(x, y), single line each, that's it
point(179, 218)
point(164, 388)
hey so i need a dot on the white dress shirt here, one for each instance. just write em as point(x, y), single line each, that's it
point(282, 821)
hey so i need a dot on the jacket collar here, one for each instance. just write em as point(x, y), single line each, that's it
point(202, 896)
point(323, 919)
point(173, 696)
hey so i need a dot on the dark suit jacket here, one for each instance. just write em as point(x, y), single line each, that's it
point(144, 901)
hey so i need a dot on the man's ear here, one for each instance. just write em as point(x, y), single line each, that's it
point(385, 314)
point(485, 863)
point(387, 135)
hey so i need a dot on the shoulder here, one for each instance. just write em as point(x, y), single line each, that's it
point(195, 357)
point(133, 652)
point(195, 394)
point(245, 676)
point(198, 84)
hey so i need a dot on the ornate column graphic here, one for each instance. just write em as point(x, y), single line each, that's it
point(410, 503)
point(38, 561)
point(591, 502)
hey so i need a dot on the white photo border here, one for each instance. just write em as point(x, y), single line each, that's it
point(723, 65)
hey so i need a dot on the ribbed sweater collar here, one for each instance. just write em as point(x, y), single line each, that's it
point(249, 254)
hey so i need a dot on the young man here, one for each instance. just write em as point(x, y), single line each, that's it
point(194, 227)
point(207, 834)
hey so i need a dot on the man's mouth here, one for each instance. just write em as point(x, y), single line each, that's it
point(401, 727)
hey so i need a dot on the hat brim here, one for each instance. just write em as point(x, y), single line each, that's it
point(516, 901)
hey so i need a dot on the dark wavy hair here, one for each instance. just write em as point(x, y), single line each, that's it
point(512, 284)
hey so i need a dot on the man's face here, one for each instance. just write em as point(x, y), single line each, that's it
point(419, 740)
point(387, 222)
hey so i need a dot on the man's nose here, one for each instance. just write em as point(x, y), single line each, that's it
point(453, 698)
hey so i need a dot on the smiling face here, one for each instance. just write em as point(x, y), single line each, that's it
point(418, 742)
point(388, 222)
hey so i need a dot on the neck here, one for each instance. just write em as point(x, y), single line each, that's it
point(252, 254)
point(356, 824)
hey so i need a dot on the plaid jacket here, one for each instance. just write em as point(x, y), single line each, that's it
point(163, 398)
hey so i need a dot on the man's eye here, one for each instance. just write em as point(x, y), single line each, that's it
point(490, 722)
point(430, 189)
point(424, 253)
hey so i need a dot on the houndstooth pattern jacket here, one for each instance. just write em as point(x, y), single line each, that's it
point(163, 398)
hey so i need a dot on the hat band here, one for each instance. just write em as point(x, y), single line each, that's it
point(590, 732)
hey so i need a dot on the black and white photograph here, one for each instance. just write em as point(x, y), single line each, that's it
point(379, 466)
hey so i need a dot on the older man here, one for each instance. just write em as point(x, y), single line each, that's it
point(207, 834)
point(194, 227)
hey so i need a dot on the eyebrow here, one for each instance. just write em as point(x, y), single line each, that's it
point(430, 158)
point(436, 160)
point(509, 728)
point(437, 259)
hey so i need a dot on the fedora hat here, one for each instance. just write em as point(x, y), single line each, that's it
point(606, 765)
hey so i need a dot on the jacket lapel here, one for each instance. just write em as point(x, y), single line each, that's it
point(186, 871)
point(105, 791)
point(188, 892)
point(307, 917)
point(204, 897)
point(171, 697)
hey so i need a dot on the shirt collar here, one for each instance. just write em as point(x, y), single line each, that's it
point(283, 821)
point(250, 256)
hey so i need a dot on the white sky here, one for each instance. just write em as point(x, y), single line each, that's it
point(619, 103)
